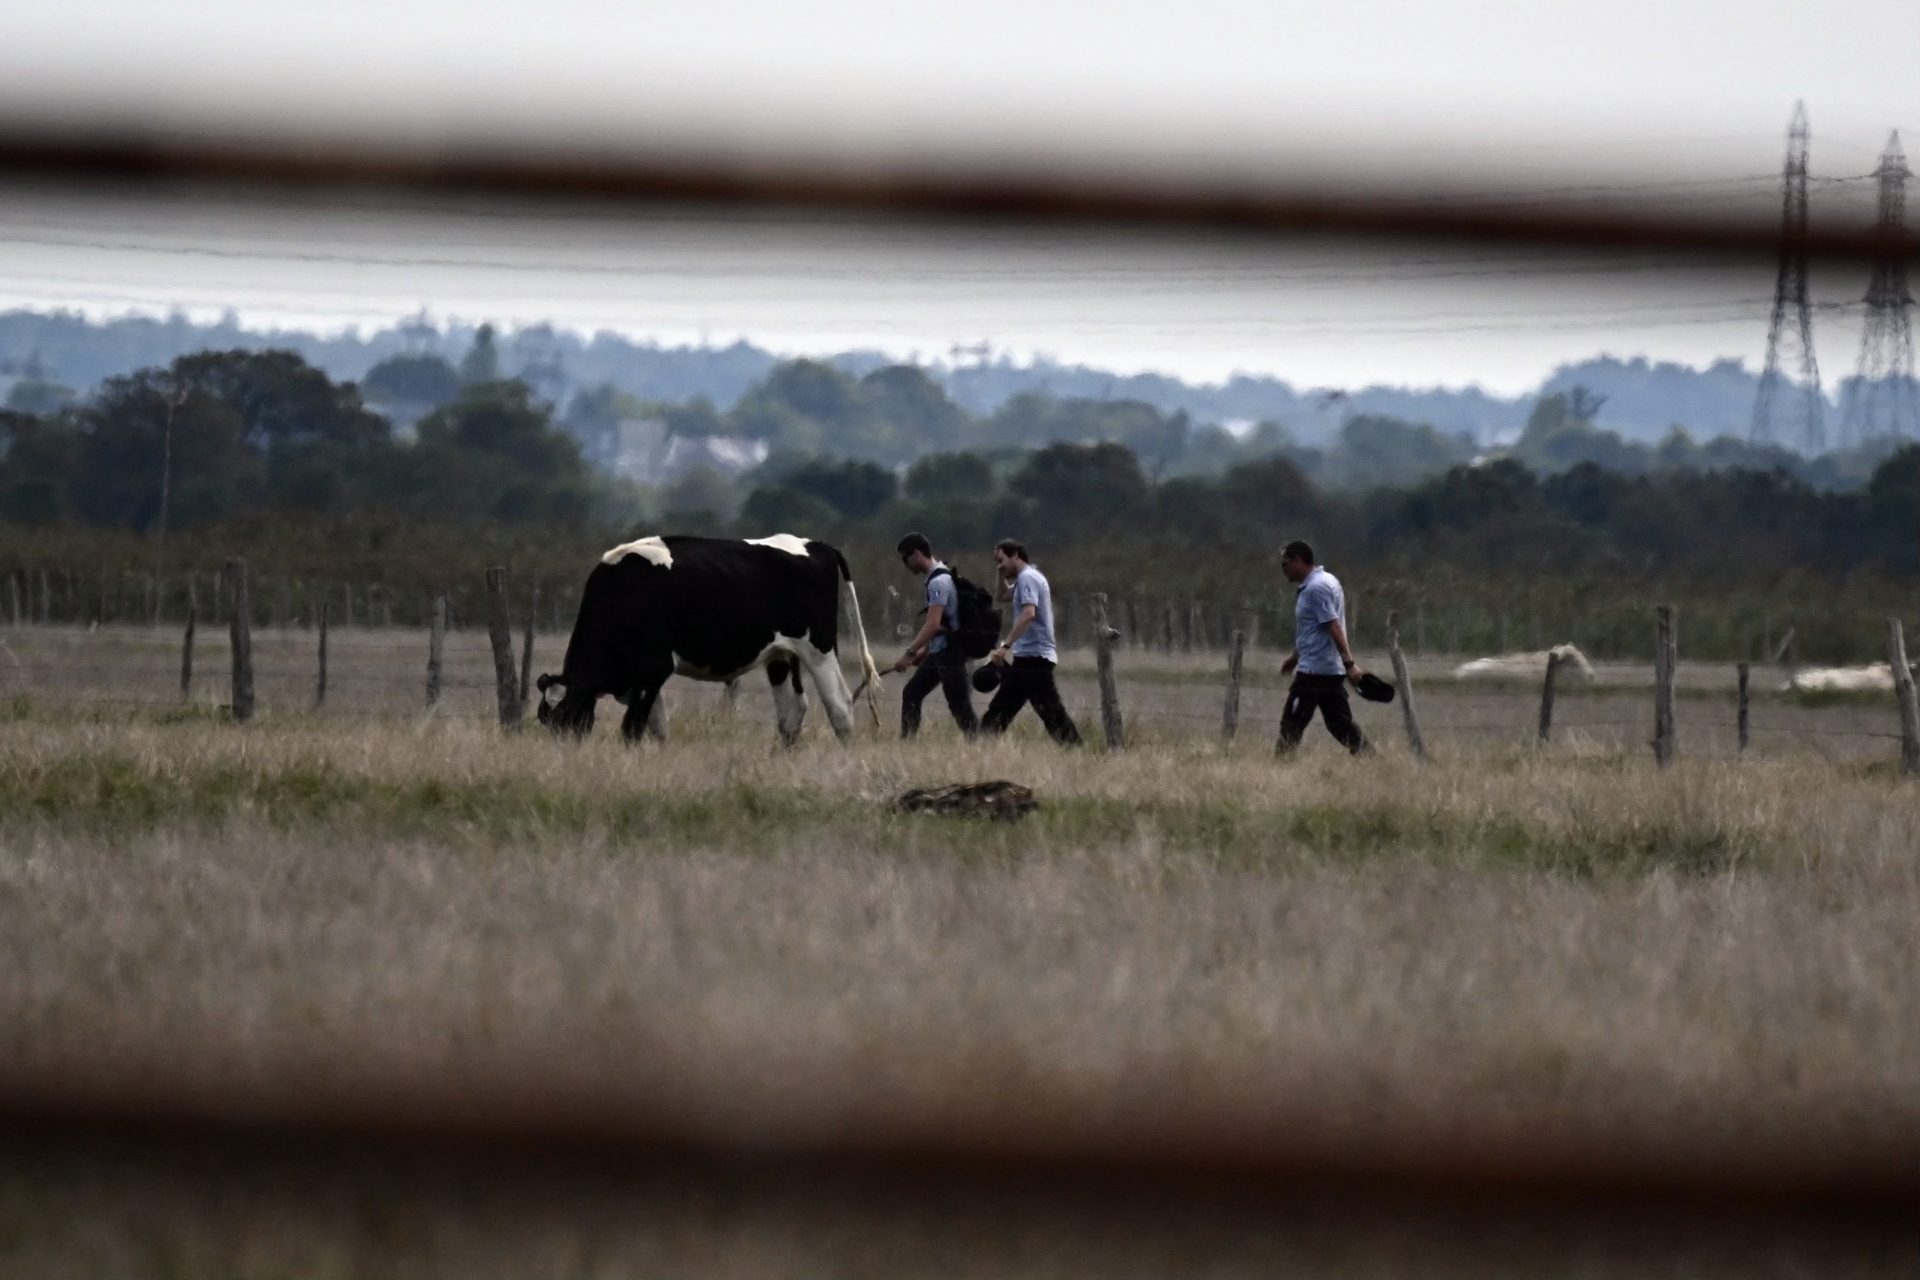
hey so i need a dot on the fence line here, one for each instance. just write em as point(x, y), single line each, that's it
point(365, 665)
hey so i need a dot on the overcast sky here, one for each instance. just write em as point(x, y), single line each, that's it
point(1403, 99)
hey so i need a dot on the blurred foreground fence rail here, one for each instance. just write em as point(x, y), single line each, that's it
point(1193, 1149)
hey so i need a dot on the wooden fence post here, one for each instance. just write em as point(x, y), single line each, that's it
point(526, 650)
point(1909, 706)
point(1415, 741)
point(1135, 638)
point(1103, 638)
point(1166, 629)
point(1665, 655)
point(320, 684)
point(1236, 656)
point(240, 632)
point(436, 648)
point(506, 684)
point(1742, 672)
point(46, 598)
point(186, 654)
point(13, 594)
point(1546, 698)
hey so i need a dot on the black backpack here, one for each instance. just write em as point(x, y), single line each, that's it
point(977, 630)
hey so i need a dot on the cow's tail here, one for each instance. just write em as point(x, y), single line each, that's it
point(870, 674)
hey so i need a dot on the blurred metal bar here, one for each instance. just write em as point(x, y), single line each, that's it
point(981, 192)
point(1197, 1149)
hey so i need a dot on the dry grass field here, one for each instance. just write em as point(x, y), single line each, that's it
point(373, 905)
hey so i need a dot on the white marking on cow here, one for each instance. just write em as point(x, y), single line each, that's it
point(556, 694)
point(649, 549)
point(823, 669)
point(1512, 665)
point(782, 542)
point(790, 706)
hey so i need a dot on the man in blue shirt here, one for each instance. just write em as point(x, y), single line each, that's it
point(1321, 654)
point(1027, 657)
point(934, 655)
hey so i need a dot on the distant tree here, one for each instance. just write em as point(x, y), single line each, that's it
point(919, 416)
point(481, 364)
point(778, 509)
point(1375, 451)
point(950, 476)
point(493, 454)
point(855, 490)
point(39, 463)
point(805, 407)
point(37, 396)
point(700, 500)
point(696, 418)
point(1072, 491)
point(411, 379)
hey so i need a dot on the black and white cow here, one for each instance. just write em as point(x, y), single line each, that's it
point(708, 609)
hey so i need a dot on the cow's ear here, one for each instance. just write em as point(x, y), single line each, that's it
point(542, 683)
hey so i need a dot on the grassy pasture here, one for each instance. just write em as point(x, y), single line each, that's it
point(1506, 940)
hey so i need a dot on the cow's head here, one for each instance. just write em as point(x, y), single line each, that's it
point(561, 711)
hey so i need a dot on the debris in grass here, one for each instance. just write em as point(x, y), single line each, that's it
point(1000, 800)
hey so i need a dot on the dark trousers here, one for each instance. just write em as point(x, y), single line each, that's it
point(948, 670)
point(1027, 680)
point(1328, 696)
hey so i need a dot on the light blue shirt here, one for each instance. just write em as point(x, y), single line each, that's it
point(1320, 601)
point(941, 591)
point(1030, 588)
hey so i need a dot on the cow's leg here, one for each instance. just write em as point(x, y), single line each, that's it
point(834, 696)
point(643, 698)
point(789, 701)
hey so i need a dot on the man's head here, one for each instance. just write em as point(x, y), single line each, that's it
point(1296, 561)
point(1010, 557)
point(916, 552)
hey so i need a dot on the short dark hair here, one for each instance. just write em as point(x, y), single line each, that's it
point(914, 542)
point(1298, 551)
point(1013, 547)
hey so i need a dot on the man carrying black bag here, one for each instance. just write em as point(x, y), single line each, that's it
point(938, 651)
point(1322, 656)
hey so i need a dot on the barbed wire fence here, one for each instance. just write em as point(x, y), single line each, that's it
point(1152, 681)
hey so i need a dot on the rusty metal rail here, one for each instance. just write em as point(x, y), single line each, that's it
point(1230, 204)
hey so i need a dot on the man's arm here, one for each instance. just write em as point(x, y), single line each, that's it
point(1028, 612)
point(936, 613)
point(1293, 660)
point(1338, 630)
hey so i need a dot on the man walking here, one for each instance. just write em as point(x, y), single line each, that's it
point(934, 652)
point(1027, 657)
point(1320, 652)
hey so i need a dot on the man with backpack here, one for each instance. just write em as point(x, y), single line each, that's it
point(939, 652)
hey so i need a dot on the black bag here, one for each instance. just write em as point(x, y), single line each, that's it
point(977, 630)
point(1373, 688)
